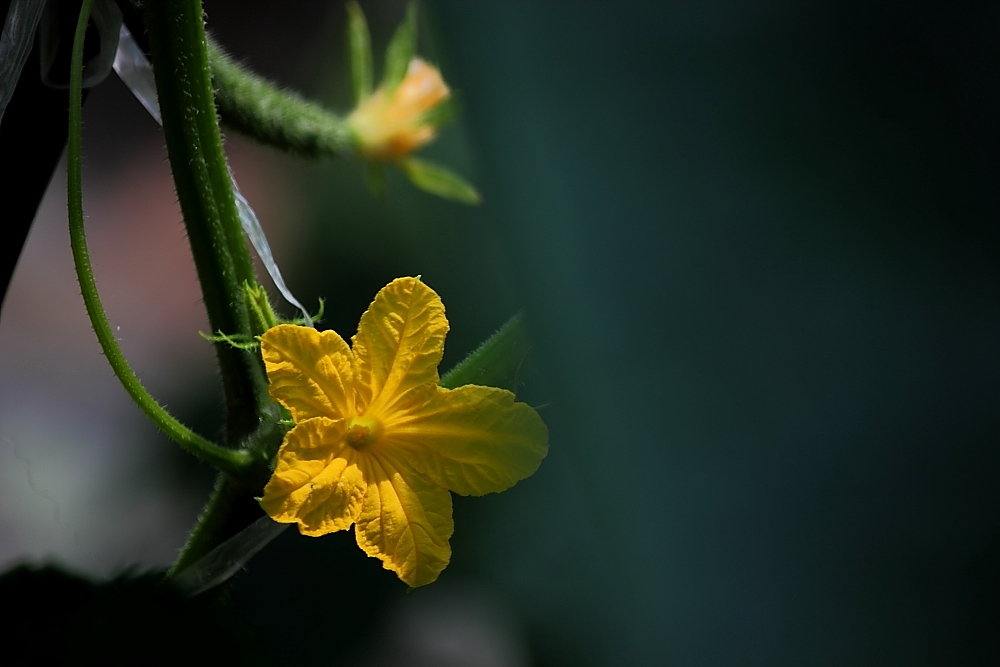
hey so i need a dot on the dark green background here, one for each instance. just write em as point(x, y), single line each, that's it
point(759, 245)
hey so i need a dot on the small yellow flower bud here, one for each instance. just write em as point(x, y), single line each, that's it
point(390, 127)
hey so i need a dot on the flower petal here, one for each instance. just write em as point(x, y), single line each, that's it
point(317, 482)
point(398, 347)
point(309, 371)
point(471, 440)
point(405, 520)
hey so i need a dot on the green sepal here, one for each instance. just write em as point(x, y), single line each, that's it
point(441, 113)
point(499, 362)
point(359, 52)
point(440, 181)
point(262, 315)
point(401, 48)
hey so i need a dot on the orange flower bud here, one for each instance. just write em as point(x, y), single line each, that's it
point(389, 127)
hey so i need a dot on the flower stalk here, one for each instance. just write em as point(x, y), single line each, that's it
point(257, 108)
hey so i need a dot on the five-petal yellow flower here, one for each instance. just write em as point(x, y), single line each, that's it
point(378, 443)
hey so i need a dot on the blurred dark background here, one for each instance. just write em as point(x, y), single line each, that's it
point(757, 247)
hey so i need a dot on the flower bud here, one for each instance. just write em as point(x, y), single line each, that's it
point(389, 126)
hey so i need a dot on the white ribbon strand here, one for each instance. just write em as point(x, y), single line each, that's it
point(15, 44)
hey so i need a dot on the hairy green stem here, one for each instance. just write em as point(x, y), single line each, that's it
point(179, 55)
point(256, 107)
point(232, 461)
point(194, 146)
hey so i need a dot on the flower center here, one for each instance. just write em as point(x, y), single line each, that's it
point(362, 431)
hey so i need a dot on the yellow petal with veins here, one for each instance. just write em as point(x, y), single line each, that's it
point(405, 520)
point(471, 440)
point(317, 482)
point(309, 371)
point(397, 349)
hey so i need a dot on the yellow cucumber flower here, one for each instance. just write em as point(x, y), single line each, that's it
point(377, 442)
point(391, 126)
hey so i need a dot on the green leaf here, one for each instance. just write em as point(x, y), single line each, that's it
point(359, 52)
point(440, 181)
point(401, 49)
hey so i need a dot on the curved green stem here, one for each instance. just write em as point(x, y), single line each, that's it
point(256, 107)
point(229, 460)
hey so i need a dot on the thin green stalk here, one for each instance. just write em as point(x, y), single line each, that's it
point(232, 461)
point(194, 146)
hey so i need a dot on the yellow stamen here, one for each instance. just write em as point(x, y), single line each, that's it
point(362, 431)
